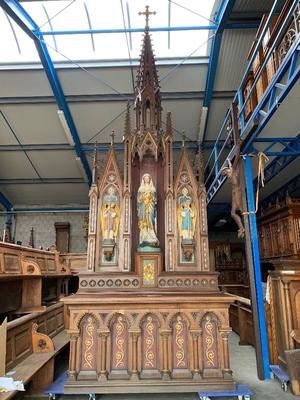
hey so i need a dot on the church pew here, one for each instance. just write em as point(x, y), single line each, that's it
point(76, 262)
point(241, 321)
point(32, 276)
point(33, 342)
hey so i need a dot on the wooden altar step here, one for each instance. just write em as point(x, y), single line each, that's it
point(242, 392)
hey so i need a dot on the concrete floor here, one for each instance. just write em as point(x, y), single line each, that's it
point(243, 365)
point(244, 370)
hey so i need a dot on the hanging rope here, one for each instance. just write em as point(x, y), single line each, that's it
point(262, 160)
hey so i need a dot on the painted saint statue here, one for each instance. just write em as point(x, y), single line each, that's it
point(186, 216)
point(146, 207)
point(110, 215)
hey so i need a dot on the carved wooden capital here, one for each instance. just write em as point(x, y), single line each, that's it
point(165, 333)
point(103, 333)
point(74, 335)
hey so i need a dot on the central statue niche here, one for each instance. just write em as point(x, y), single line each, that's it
point(147, 214)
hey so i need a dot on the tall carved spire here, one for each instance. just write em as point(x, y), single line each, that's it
point(169, 130)
point(95, 164)
point(147, 90)
point(127, 128)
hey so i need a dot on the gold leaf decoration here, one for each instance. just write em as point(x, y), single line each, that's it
point(149, 355)
point(209, 341)
point(120, 343)
point(179, 340)
point(89, 342)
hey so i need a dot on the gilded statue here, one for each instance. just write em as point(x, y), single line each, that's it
point(147, 212)
point(186, 216)
point(110, 215)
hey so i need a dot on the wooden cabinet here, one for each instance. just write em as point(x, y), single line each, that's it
point(279, 230)
point(284, 308)
point(230, 263)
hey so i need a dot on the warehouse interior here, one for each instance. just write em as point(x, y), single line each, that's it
point(149, 199)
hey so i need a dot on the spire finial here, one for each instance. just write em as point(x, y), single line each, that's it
point(147, 13)
point(183, 138)
point(95, 163)
point(112, 135)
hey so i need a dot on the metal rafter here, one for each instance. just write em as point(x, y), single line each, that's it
point(282, 83)
point(23, 19)
point(221, 19)
point(5, 202)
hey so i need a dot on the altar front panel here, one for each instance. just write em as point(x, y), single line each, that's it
point(136, 342)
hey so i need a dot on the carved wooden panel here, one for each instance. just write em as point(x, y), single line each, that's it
point(180, 343)
point(88, 332)
point(119, 345)
point(12, 264)
point(280, 230)
point(150, 340)
point(209, 327)
point(22, 346)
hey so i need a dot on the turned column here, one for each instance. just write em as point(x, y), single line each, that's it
point(103, 350)
point(286, 286)
point(225, 346)
point(195, 336)
point(72, 362)
point(134, 355)
point(165, 367)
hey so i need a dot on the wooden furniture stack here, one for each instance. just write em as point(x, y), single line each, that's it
point(147, 320)
point(279, 230)
point(30, 277)
point(266, 74)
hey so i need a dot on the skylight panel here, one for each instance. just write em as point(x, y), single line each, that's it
point(70, 15)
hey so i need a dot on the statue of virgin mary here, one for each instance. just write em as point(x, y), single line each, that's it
point(146, 207)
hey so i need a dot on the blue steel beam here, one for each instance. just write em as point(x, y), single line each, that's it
point(5, 202)
point(282, 160)
point(284, 80)
point(23, 19)
point(221, 19)
point(129, 30)
point(259, 303)
point(232, 25)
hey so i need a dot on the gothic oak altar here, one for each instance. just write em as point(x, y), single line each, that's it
point(148, 316)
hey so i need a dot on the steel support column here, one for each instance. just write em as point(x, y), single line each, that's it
point(262, 351)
